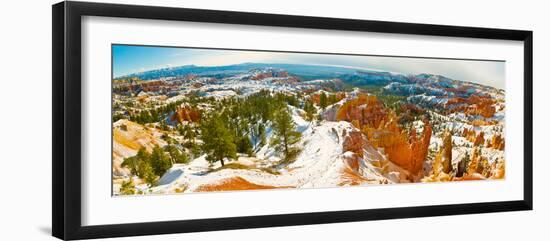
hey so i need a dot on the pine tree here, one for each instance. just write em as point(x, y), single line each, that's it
point(133, 163)
point(127, 187)
point(244, 145)
point(332, 99)
point(218, 141)
point(148, 174)
point(310, 111)
point(285, 134)
point(176, 156)
point(261, 133)
point(160, 162)
point(189, 135)
point(323, 100)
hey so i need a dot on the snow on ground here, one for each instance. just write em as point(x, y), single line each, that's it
point(320, 163)
point(221, 94)
point(128, 137)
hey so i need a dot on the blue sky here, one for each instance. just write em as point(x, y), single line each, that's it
point(131, 59)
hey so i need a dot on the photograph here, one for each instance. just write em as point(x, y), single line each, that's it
point(274, 121)
point(188, 119)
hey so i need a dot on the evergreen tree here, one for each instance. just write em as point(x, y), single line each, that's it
point(323, 100)
point(176, 156)
point(154, 115)
point(332, 99)
point(160, 162)
point(285, 132)
point(134, 163)
point(127, 187)
point(262, 134)
point(189, 135)
point(218, 141)
point(244, 145)
point(310, 111)
point(148, 174)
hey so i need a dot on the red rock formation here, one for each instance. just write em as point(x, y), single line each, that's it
point(261, 76)
point(186, 114)
point(352, 162)
point(408, 112)
point(381, 127)
point(478, 164)
point(468, 134)
point(486, 111)
point(354, 142)
point(497, 170)
point(367, 110)
point(478, 122)
point(447, 152)
point(497, 142)
point(480, 139)
point(407, 151)
point(234, 183)
point(473, 105)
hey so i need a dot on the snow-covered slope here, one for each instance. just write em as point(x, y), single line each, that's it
point(128, 138)
point(322, 163)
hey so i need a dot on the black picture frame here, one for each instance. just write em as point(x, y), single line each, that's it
point(66, 127)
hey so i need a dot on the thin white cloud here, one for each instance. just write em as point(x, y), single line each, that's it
point(484, 72)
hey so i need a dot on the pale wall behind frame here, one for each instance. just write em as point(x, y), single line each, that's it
point(26, 205)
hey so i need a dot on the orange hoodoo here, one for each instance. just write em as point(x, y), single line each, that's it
point(480, 139)
point(379, 124)
point(186, 113)
point(409, 154)
point(497, 142)
point(473, 105)
point(447, 152)
point(365, 110)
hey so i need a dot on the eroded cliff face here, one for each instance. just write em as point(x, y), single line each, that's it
point(496, 142)
point(128, 138)
point(442, 166)
point(473, 105)
point(408, 153)
point(478, 139)
point(497, 169)
point(380, 125)
point(476, 167)
point(447, 152)
point(187, 114)
point(354, 142)
point(365, 110)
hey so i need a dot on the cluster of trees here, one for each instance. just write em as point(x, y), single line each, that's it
point(128, 187)
point(189, 134)
point(150, 166)
point(152, 115)
point(234, 125)
point(238, 125)
point(285, 135)
point(218, 141)
point(326, 100)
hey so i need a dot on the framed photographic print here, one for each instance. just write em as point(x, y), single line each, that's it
point(170, 120)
